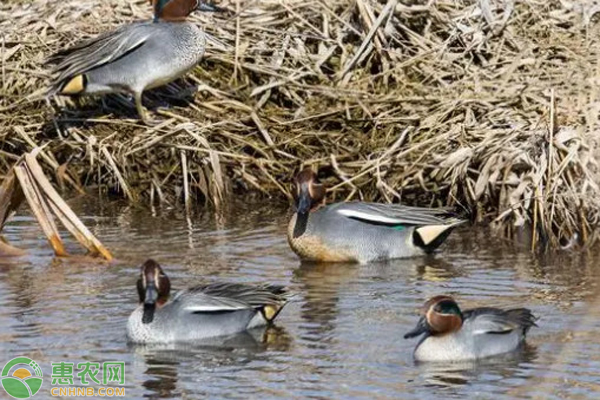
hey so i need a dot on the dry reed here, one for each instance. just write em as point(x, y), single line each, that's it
point(489, 104)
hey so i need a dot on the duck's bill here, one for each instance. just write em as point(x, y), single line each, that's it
point(209, 7)
point(304, 201)
point(148, 315)
point(150, 303)
point(151, 293)
point(421, 328)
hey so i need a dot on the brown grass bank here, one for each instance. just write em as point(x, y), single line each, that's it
point(489, 104)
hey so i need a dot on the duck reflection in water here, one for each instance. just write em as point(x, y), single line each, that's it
point(164, 364)
point(320, 284)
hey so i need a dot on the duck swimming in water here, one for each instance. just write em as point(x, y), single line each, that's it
point(134, 57)
point(454, 335)
point(200, 312)
point(361, 232)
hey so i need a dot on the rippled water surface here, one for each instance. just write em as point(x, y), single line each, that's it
point(341, 338)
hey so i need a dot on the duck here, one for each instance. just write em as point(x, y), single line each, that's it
point(454, 335)
point(135, 57)
point(200, 312)
point(361, 232)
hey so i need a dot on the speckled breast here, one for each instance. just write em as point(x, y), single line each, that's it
point(312, 248)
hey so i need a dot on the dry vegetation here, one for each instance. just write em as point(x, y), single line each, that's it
point(489, 104)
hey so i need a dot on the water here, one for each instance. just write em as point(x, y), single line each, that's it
point(342, 338)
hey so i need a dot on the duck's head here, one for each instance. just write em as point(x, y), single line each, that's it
point(178, 10)
point(153, 288)
point(309, 192)
point(440, 315)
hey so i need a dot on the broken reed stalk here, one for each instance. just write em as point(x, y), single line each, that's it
point(11, 197)
point(488, 105)
point(27, 180)
point(40, 210)
point(62, 210)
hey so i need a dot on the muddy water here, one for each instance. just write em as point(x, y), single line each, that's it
point(342, 338)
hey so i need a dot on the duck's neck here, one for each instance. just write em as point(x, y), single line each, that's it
point(300, 225)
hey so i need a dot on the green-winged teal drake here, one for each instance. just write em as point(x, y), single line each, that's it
point(134, 57)
point(361, 232)
point(454, 335)
point(200, 312)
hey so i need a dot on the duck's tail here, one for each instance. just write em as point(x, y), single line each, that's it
point(522, 317)
point(430, 237)
point(281, 296)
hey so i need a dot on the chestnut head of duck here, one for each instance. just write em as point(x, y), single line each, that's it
point(309, 193)
point(440, 315)
point(179, 10)
point(153, 288)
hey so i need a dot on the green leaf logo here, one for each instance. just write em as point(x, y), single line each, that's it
point(21, 378)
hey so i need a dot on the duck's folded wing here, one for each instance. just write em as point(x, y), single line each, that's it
point(98, 51)
point(497, 321)
point(394, 214)
point(219, 297)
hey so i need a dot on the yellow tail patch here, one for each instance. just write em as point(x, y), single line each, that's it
point(74, 86)
point(270, 311)
point(430, 232)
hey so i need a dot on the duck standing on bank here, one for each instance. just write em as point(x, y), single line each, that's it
point(200, 312)
point(361, 232)
point(454, 335)
point(134, 57)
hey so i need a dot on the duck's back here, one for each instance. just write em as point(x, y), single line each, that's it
point(371, 241)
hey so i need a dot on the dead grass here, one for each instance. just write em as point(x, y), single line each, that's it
point(489, 104)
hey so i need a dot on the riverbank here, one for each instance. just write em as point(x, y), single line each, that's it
point(444, 103)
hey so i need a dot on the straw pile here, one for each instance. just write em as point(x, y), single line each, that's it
point(491, 104)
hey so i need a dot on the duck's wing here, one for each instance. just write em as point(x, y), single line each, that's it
point(98, 51)
point(219, 297)
point(496, 321)
point(396, 215)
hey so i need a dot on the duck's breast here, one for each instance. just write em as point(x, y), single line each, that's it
point(314, 244)
point(446, 348)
